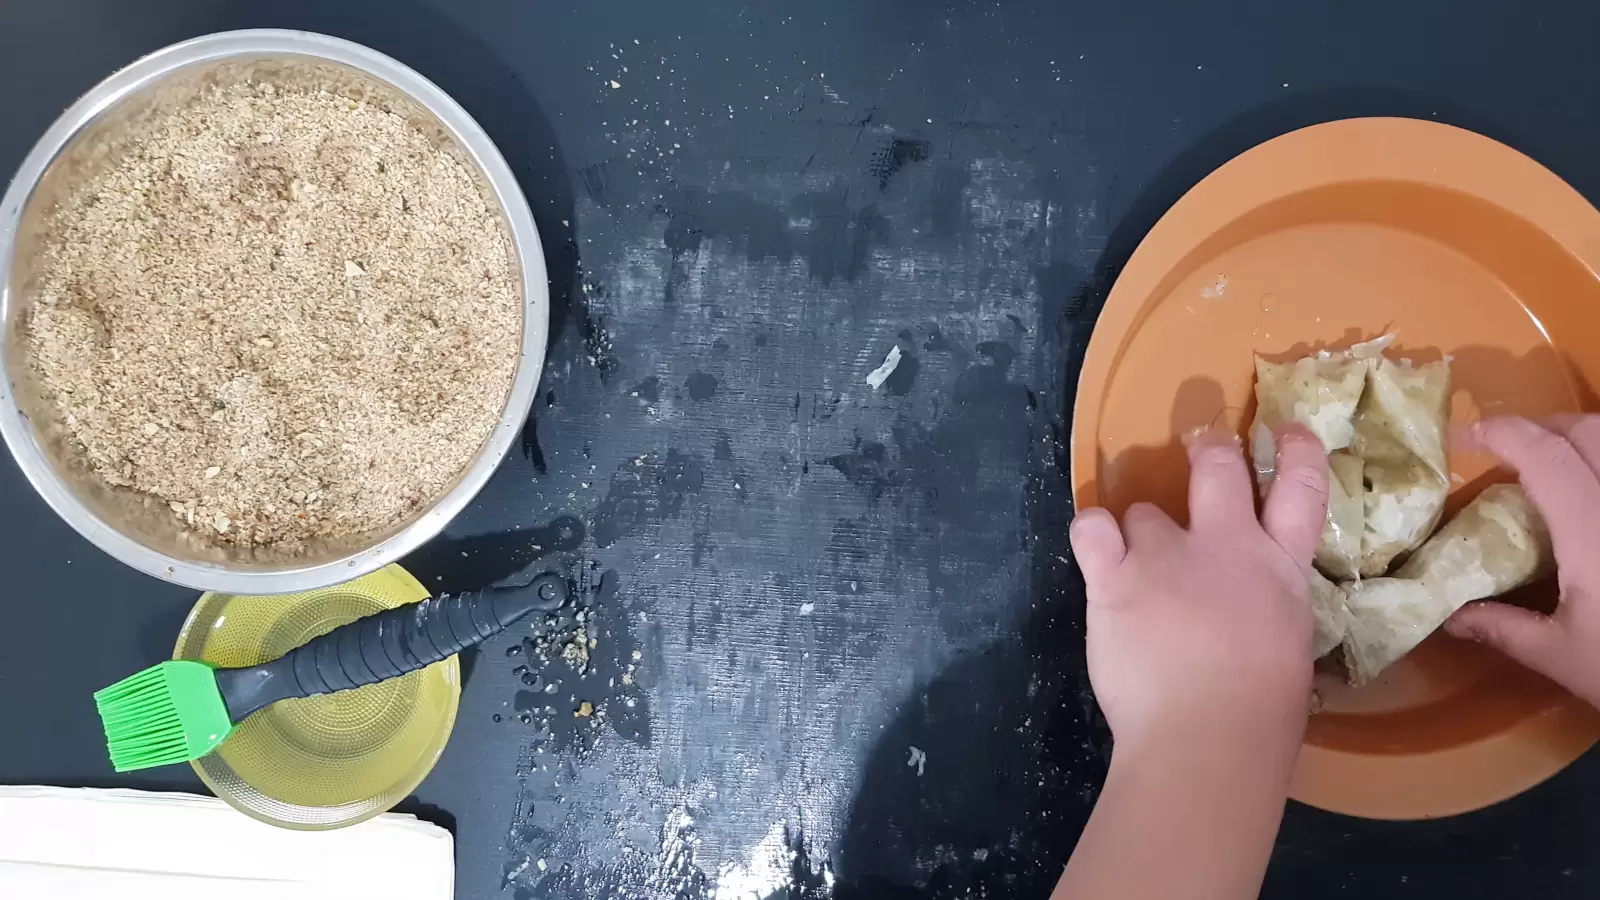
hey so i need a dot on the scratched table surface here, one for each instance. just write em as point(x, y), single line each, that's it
point(837, 628)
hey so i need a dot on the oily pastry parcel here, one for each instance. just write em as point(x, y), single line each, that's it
point(1498, 542)
point(1384, 423)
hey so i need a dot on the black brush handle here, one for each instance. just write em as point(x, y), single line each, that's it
point(387, 644)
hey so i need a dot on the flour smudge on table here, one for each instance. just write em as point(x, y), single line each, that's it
point(904, 533)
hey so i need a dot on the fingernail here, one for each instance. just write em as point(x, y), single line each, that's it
point(1293, 431)
point(1460, 630)
point(1210, 436)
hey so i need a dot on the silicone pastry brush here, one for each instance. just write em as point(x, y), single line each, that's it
point(180, 710)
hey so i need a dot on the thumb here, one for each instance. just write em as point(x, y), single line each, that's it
point(1098, 544)
point(1297, 502)
point(1530, 638)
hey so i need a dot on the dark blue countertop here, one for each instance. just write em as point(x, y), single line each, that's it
point(858, 625)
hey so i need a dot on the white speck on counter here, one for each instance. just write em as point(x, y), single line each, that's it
point(918, 759)
point(882, 373)
point(807, 608)
point(351, 270)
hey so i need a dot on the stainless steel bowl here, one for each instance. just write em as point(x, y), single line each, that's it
point(131, 526)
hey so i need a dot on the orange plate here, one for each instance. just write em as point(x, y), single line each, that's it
point(1339, 232)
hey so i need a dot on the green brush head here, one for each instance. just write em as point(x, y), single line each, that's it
point(169, 713)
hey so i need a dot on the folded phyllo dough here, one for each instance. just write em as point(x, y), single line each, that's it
point(1339, 552)
point(1497, 543)
point(1320, 392)
point(1328, 615)
point(1400, 438)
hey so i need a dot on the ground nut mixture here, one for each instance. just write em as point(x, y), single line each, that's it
point(284, 313)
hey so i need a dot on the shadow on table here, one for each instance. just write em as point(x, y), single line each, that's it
point(1016, 747)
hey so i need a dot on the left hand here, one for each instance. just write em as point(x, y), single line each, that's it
point(1208, 626)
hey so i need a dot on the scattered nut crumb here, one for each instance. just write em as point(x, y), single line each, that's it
point(576, 649)
point(584, 710)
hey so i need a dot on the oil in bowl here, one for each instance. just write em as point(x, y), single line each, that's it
point(335, 759)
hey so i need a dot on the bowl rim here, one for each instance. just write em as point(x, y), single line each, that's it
point(19, 435)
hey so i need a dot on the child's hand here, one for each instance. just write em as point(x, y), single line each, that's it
point(1557, 467)
point(1208, 627)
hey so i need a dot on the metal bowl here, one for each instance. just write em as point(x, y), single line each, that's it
point(134, 527)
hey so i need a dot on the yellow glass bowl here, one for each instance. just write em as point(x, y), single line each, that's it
point(332, 760)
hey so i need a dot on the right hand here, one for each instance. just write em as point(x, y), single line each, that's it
point(1559, 465)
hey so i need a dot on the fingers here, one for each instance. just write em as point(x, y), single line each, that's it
point(1147, 525)
point(1532, 639)
point(1557, 479)
point(1297, 504)
point(1220, 490)
point(1582, 432)
point(1097, 543)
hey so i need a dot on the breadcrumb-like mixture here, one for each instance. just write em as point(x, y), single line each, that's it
point(284, 313)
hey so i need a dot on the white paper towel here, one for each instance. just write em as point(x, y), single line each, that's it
point(61, 843)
